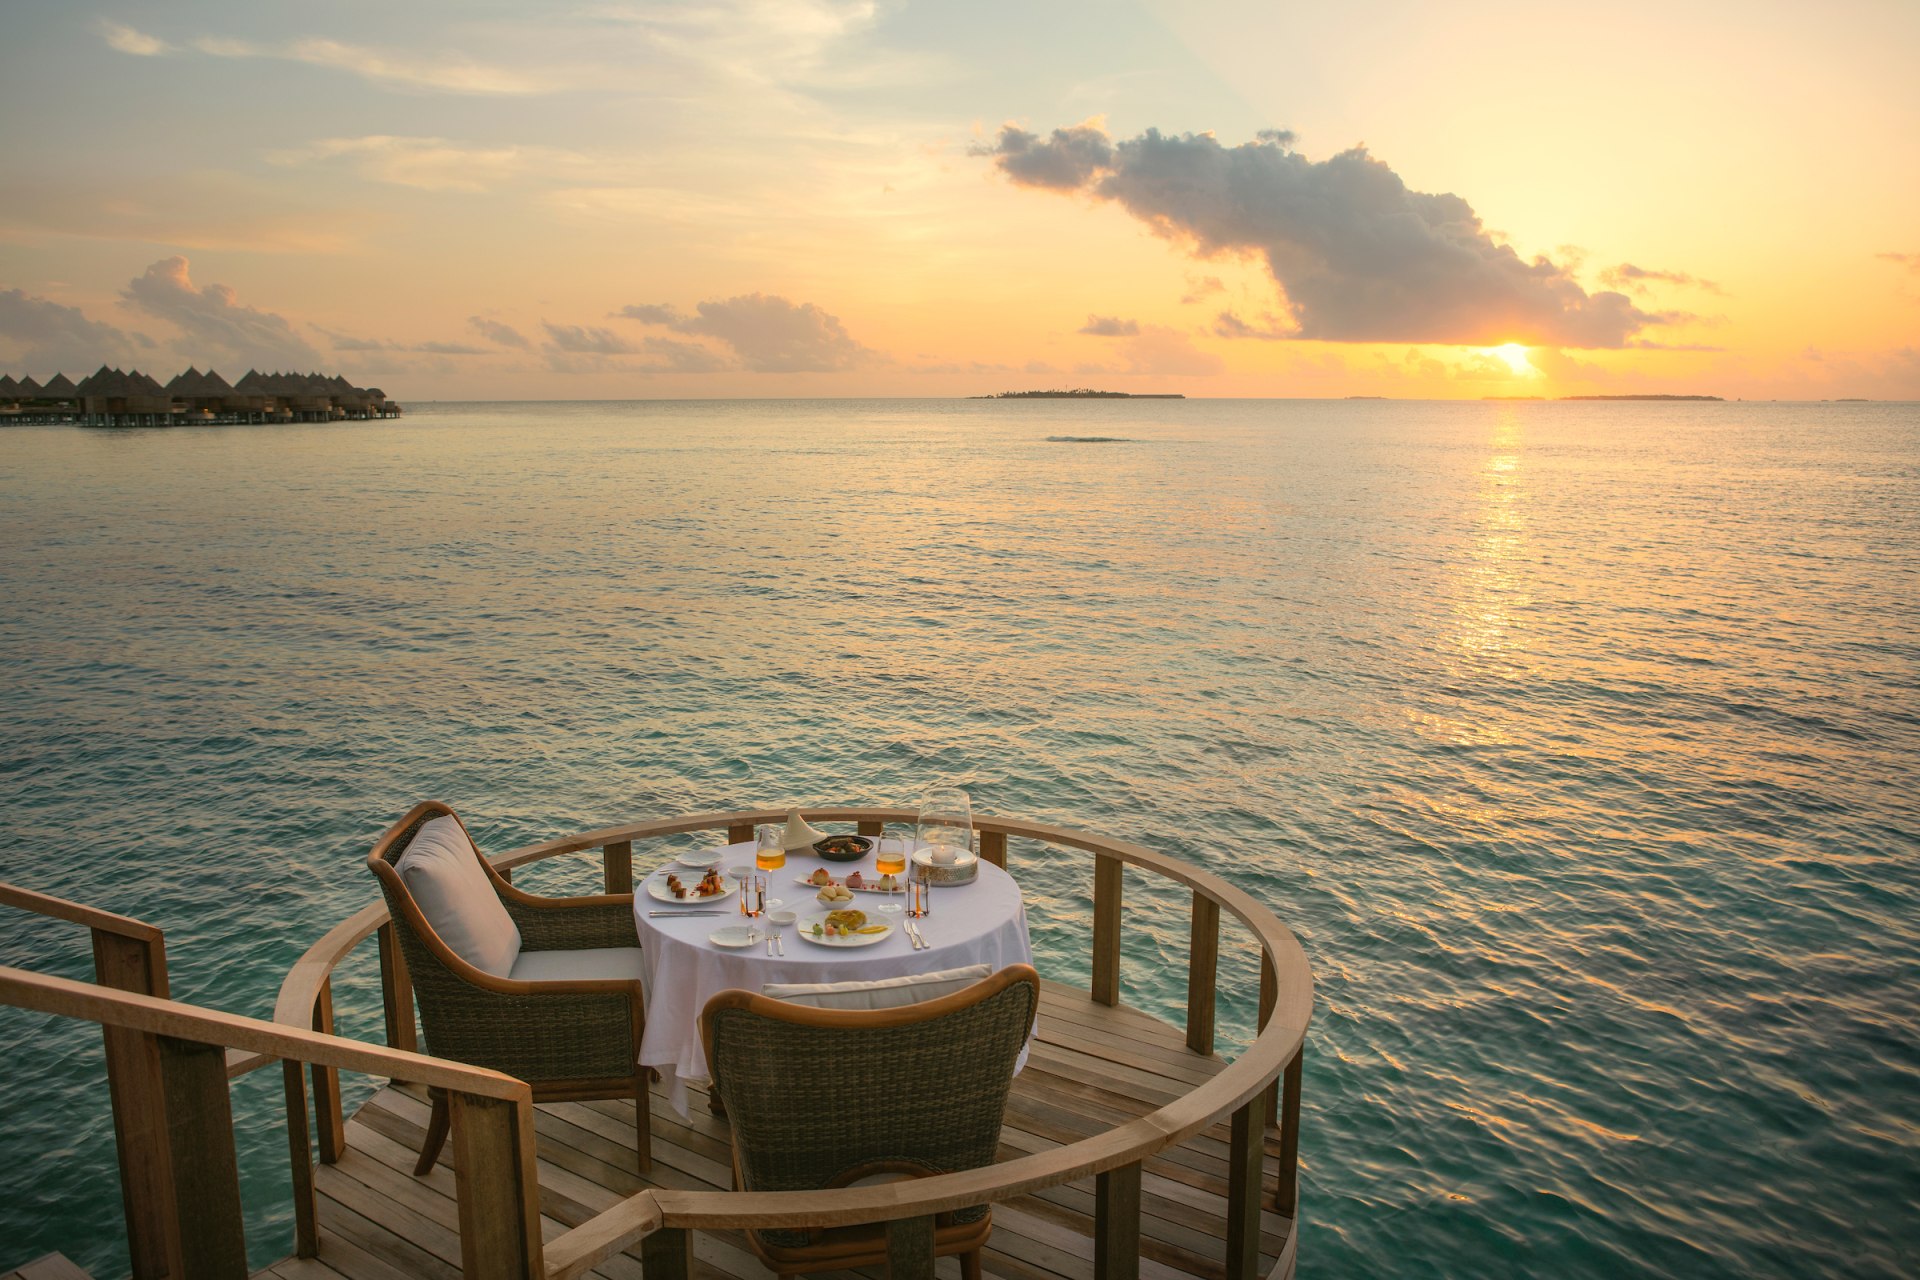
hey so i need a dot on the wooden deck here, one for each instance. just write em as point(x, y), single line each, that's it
point(1091, 1068)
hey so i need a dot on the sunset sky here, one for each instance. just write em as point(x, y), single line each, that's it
point(803, 197)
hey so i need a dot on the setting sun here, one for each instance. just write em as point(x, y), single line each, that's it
point(1516, 357)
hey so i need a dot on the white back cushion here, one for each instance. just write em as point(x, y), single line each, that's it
point(883, 993)
point(442, 872)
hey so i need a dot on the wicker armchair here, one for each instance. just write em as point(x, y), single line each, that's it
point(821, 1098)
point(570, 1037)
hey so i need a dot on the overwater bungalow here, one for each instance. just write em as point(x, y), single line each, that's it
point(649, 1093)
point(111, 398)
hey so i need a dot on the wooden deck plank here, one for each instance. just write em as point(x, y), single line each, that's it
point(1091, 1067)
point(48, 1266)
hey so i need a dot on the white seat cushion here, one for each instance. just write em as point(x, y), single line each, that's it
point(442, 871)
point(573, 966)
point(882, 993)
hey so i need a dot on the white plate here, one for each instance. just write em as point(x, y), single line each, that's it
point(657, 888)
point(805, 928)
point(701, 859)
point(734, 935)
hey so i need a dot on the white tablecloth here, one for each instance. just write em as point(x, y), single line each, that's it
point(980, 923)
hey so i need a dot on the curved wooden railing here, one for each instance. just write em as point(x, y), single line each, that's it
point(1258, 1090)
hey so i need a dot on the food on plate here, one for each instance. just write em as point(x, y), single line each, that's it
point(842, 848)
point(710, 885)
point(889, 884)
point(842, 924)
point(856, 881)
point(834, 893)
point(820, 878)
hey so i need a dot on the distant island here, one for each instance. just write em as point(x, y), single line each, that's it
point(1649, 397)
point(1080, 393)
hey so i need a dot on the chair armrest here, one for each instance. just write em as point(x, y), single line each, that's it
point(574, 924)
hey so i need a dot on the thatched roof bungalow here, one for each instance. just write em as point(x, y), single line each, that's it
point(111, 391)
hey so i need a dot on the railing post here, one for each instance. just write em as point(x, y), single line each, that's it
point(329, 1124)
point(667, 1254)
point(139, 1111)
point(1286, 1193)
point(868, 827)
point(1269, 997)
point(396, 991)
point(993, 848)
point(619, 865)
point(306, 1228)
point(205, 1170)
point(497, 1188)
point(1116, 1223)
point(910, 1249)
point(1203, 965)
point(1106, 929)
point(740, 833)
point(1246, 1151)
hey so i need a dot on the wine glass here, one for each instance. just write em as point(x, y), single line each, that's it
point(890, 850)
point(945, 827)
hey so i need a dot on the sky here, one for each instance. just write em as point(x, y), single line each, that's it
point(482, 200)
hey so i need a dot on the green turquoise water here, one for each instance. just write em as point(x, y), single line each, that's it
point(1577, 742)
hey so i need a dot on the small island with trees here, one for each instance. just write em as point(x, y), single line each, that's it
point(1081, 393)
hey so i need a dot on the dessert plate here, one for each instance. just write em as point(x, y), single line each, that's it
point(657, 889)
point(805, 930)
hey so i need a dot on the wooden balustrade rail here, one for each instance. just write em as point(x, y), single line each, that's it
point(1249, 1091)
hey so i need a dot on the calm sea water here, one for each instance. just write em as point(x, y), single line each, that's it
point(1577, 742)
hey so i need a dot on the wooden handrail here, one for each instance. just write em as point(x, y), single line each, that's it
point(42, 904)
point(44, 993)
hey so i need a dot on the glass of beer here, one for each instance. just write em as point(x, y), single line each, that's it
point(890, 850)
point(769, 855)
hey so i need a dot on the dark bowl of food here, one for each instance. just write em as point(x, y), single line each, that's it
point(843, 848)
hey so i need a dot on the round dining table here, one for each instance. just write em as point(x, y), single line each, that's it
point(983, 922)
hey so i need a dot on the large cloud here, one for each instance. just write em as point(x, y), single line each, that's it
point(218, 328)
point(769, 333)
point(47, 338)
point(1360, 257)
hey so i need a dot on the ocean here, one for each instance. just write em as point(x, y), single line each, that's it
point(1577, 742)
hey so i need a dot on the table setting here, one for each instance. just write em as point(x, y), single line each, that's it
point(800, 905)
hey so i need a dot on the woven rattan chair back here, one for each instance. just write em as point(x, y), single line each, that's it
point(462, 1019)
point(816, 1096)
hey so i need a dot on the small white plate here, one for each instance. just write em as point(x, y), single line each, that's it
point(701, 859)
point(657, 888)
point(734, 935)
point(806, 924)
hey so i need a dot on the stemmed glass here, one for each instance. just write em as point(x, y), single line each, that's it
point(945, 827)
